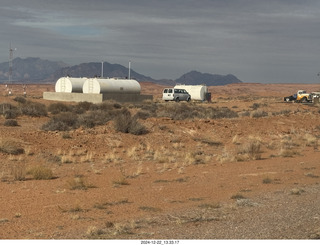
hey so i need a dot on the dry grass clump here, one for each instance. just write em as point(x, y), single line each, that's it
point(40, 173)
point(186, 111)
point(10, 146)
point(79, 183)
point(19, 172)
point(251, 149)
point(258, 113)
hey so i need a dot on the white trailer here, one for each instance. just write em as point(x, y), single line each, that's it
point(197, 92)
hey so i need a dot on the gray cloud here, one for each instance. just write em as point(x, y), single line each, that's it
point(258, 41)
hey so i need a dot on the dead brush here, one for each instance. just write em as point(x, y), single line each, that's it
point(40, 173)
point(250, 150)
point(10, 146)
point(310, 140)
point(19, 172)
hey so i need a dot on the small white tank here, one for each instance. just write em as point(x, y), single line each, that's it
point(70, 84)
point(111, 85)
point(197, 92)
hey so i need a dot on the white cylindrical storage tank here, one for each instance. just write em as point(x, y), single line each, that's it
point(111, 85)
point(197, 92)
point(70, 84)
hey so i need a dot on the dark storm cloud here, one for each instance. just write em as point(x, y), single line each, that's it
point(258, 41)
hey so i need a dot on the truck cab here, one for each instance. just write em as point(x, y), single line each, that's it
point(303, 96)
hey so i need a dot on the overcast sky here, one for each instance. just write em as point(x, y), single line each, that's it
point(264, 41)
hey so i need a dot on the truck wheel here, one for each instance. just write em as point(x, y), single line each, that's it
point(304, 100)
point(177, 99)
point(188, 100)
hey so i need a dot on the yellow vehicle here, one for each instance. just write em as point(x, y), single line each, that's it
point(303, 96)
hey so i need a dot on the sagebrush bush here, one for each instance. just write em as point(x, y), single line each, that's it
point(20, 99)
point(82, 107)
point(94, 118)
point(59, 107)
point(62, 122)
point(11, 123)
point(34, 109)
point(187, 111)
point(126, 123)
point(9, 111)
point(258, 113)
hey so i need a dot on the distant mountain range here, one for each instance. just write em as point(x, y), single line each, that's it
point(36, 70)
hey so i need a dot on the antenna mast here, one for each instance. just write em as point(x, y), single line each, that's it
point(129, 70)
point(10, 62)
point(101, 69)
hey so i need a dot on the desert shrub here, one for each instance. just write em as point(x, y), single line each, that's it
point(82, 107)
point(9, 111)
point(177, 111)
point(137, 128)
point(34, 109)
point(79, 183)
point(94, 118)
point(12, 113)
point(62, 122)
point(143, 114)
point(258, 113)
point(41, 173)
point(58, 107)
point(251, 150)
point(20, 100)
point(19, 172)
point(244, 114)
point(11, 123)
point(125, 123)
point(282, 112)
point(106, 106)
point(10, 147)
point(221, 112)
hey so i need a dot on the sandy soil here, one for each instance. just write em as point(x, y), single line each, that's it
point(184, 179)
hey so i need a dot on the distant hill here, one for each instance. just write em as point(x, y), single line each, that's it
point(29, 69)
point(195, 77)
point(36, 70)
point(93, 69)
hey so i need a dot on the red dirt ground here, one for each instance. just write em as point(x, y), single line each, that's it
point(179, 181)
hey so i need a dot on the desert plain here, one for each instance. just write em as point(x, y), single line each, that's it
point(244, 166)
